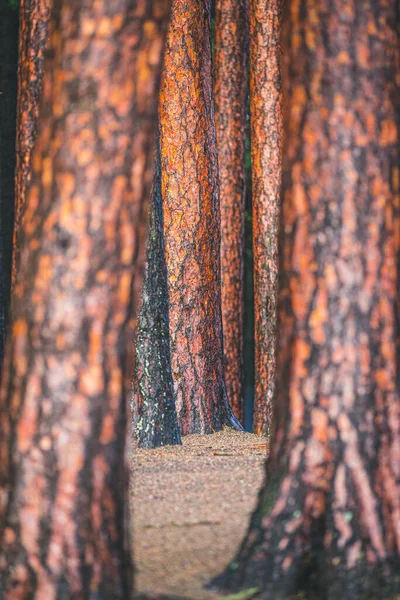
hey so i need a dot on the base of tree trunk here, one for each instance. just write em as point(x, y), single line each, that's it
point(233, 422)
point(289, 554)
point(336, 583)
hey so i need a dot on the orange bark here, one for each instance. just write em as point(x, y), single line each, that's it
point(192, 221)
point(327, 523)
point(63, 477)
point(33, 34)
point(230, 93)
point(266, 142)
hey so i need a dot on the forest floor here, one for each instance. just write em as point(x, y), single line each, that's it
point(191, 510)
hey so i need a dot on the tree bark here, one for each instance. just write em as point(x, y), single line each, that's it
point(192, 221)
point(266, 143)
point(230, 93)
point(153, 387)
point(8, 106)
point(328, 517)
point(34, 18)
point(63, 478)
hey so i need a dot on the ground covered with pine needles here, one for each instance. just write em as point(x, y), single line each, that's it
point(192, 504)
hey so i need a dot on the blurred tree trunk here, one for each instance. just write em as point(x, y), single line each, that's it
point(8, 105)
point(266, 141)
point(192, 221)
point(230, 93)
point(33, 35)
point(153, 388)
point(63, 480)
point(328, 518)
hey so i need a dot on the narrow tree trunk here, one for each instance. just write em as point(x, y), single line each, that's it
point(230, 92)
point(8, 105)
point(328, 517)
point(192, 221)
point(33, 35)
point(153, 388)
point(266, 141)
point(62, 414)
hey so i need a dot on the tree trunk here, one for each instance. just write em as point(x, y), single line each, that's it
point(192, 221)
point(328, 517)
point(62, 413)
point(230, 92)
point(8, 105)
point(33, 35)
point(266, 141)
point(153, 388)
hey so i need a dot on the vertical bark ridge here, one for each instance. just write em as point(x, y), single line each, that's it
point(8, 102)
point(155, 419)
point(34, 18)
point(327, 520)
point(192, 221)
point(230, 93)
point(266, 145)
point(63, 479)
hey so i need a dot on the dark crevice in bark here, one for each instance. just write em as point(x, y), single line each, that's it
point(8, 114)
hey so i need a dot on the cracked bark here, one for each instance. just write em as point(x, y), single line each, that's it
point(266, 142)
point(34, 18)
point(328, 516)
point(192, 221)
point(230, 94)
point(155, 420)
point(63, 478)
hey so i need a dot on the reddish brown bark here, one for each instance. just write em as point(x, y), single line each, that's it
point(33, 34)
point(266, 141)
point(230, 94)
point(192, 221)
point(62, 412)
point(328, 518)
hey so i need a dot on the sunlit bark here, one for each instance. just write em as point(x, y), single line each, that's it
point(63, 479)
point(327, 521)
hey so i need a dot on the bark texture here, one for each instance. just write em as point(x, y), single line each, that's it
point(34, 18)
point(192, 221)
point(8, 106)
point(153, 387)
point(328, 516)
point(63, 479)
point(230, 94)
point(266, 156)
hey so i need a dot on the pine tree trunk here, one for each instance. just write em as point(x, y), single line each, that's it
point(266, 141)
point(8, 105)
point(192, 221)
point(153, 388)
point(230, 93)
point(63, 479)
point(328, 517)
point(33, 35)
